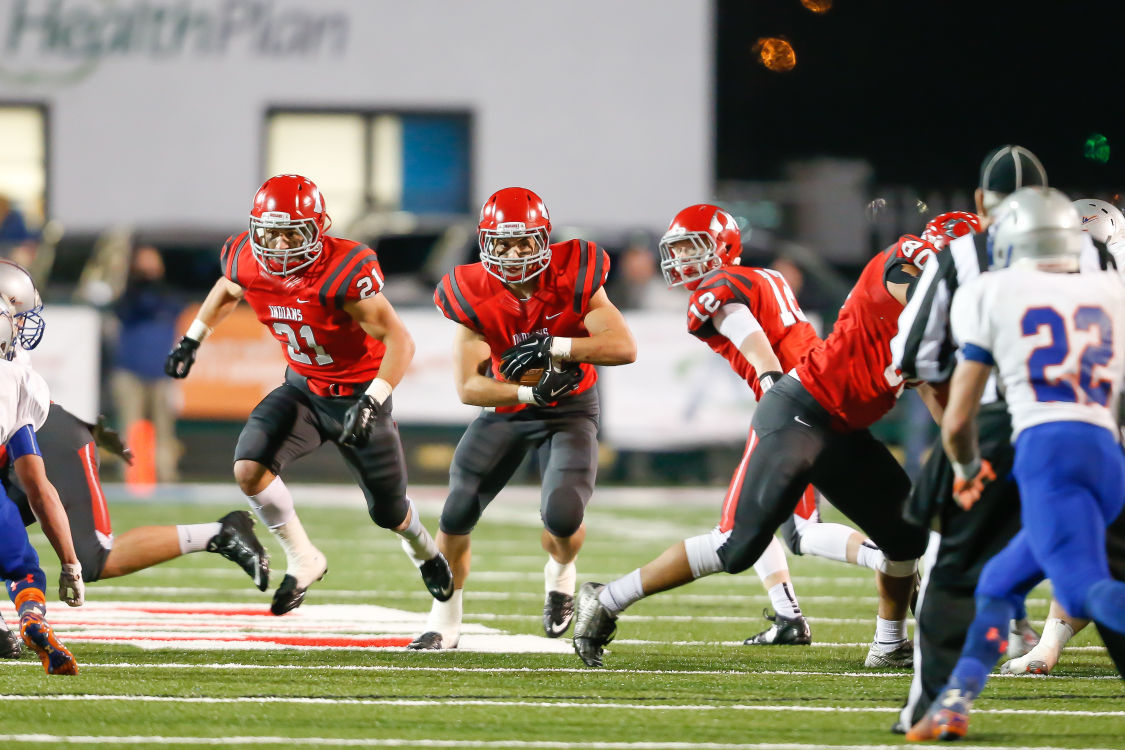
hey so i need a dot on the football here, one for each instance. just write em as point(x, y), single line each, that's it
point(531, 377)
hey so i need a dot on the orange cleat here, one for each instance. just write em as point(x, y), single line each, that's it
point(39, 636)
point(947, 719)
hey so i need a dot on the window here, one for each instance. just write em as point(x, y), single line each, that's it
point(363, 161)
point(23, 163)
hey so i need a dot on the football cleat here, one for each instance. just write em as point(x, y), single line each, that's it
point(39, 636)
point(785, 631)
point(558, 611)
point(1021, 638)
point(438, 577)
point(236, 542)
point(1023, 665)
point(947, 719)
point(11, 646)
point(900, 656)
point(594, 626)
point(431, 640)
point(291, 593)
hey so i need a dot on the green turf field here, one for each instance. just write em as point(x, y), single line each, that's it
point(676, 678)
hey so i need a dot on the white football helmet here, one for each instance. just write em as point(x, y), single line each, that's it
point(1101, 220)
point(19, 290)
point(1038, 227)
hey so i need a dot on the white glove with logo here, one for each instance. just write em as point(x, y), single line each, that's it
point(72, 589)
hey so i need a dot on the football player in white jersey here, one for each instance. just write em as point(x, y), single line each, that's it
point(1104, 223)
point(24, 400)
point(1057, 340)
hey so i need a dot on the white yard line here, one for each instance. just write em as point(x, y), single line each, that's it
point(39, 739)
point(493, 703)
point(232, 666)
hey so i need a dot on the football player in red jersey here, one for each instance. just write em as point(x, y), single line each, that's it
point(750, 317)
point(321, 298)
point(529, 312)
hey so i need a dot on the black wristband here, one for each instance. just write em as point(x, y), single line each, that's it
point(769, 379)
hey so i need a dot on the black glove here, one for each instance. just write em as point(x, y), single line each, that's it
point(359, 422)
point(108, 438)
point(769, 379)
point(530, 354)
point(181, 358)
point(554, 384)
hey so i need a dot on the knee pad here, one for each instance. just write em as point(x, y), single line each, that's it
point(563, 512)
point(703, 552)
point(898, 568)
point(388, 515)
point(735, 556)
point(460, 513)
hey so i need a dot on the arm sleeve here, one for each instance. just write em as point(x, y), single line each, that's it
point(23, 443)
point(735, 321)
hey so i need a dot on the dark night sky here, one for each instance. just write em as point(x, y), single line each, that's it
point(924, 88)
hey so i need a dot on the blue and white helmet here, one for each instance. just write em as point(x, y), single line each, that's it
point(1037, 227)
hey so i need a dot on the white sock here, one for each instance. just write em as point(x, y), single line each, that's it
point(827, 540)
point(619, 594)
point(194, 536)
point(771, 561)
point(559, 577)
point(784, 601)
point(889, 632)
point(445, 618)
point(303, 561)
point(870, 556)
point(1056, 634)
point(416, 541)
point(273, 505)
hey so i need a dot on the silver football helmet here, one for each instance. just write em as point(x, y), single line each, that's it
point(1038, 227)
point(1101, 220)
point(19, 290)
point(9, 331)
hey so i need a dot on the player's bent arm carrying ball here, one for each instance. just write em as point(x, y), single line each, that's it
point(532, 318)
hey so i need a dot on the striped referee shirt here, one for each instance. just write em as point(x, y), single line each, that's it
point(923, 348)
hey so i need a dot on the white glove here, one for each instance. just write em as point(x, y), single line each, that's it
point(72, 589)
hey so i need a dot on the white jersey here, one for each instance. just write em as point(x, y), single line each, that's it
point(1057, 340)
point(24, 399)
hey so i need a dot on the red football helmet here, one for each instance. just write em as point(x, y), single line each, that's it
point(700, 239)
point(949, 226)
point(286, 224)
point(512, 214)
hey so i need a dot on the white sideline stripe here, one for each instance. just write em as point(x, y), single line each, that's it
point(484, 702)
point(228, 666)
point(397, 742)
point(374, 595)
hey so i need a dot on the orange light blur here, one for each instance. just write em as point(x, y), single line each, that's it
point(818, 6)
point(776, 54)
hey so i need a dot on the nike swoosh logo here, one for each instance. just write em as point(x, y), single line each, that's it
point(301, 301)
point(558, 391)
point(798, 420)
point(551, 317)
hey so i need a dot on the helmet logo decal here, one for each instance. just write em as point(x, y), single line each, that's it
point(275, 216)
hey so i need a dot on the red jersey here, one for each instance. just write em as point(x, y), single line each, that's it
point(305, 312)
point(852, 374)
point(471, 296)
point(771, 302)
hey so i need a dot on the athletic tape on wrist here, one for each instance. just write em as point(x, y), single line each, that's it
point(198, 330)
